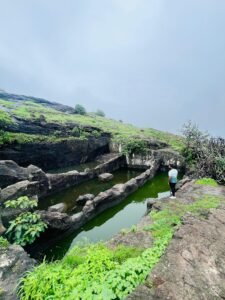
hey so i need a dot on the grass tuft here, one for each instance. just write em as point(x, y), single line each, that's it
point(207, 181)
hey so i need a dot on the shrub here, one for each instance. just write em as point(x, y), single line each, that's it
point(27, 226)
point(100, 113)
point(80, 110)
point(134, 146)
point(4, 137)
point(206, 153)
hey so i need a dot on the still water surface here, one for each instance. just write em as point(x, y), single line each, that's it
point(110, 222)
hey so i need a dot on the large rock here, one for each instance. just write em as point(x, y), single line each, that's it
point(81, 200)
point(105, 177)
point(56, 220)
point(14, 263)
point(60, 207)
point(11, 172)
point(19, 189)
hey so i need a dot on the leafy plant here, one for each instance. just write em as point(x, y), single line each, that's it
point(28, 225)
point(22, 203)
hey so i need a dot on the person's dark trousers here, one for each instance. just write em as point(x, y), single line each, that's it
point(173, 188)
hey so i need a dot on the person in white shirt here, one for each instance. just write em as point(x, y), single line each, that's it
point(172, 177)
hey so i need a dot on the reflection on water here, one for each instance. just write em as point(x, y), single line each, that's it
point(108, 223)
point(93, 186)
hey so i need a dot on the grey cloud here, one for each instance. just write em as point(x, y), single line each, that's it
point(154, 63)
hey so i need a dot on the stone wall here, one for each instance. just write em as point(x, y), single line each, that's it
point(100, 203)
point(41, 184)
point(55, 155)
point(163, 156)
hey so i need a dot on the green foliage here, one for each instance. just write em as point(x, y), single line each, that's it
point(205, 153)
point(100, 113)
point(80, 110)
point(134, 146)
point(4, 137)
point(6, 103)
point(22, 203)
point(97, 272)
point(3, 242)
point(5, 118)
point(122, 253)
point(27, 226)
point(207, 181)
point(30, 110)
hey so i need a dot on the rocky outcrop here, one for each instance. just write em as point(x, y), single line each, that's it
point(22, 98)
point(11, 172)
point(81, 200)
point(163, 156)
point(60, 207)
point(42, 184)
point(192, 267)
point(105, 177)
point(57, 154)
point(14, 262)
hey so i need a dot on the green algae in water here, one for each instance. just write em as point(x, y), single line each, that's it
point(111, 221)
point(93, 186)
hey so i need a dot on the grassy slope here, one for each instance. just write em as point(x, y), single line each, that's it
point(30, 111)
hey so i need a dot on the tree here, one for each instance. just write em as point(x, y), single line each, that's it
point(80, 110)
point(100, 113)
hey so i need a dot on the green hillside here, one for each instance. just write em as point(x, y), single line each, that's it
point(31, 109)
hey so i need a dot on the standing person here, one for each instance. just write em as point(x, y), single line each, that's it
point(173, 173)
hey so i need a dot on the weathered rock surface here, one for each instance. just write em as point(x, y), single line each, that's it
point(193, 266)
point(18, 189)
point(42, 184)
point(11, 172)
point(14, 262)
point(60, 207)
point(56, 220)
point(56, 155)
point(81, 200)
point(105, 177)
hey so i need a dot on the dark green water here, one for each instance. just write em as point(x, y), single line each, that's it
point(93, 186)
point(110, 222)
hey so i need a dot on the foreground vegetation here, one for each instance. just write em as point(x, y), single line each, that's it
point(98, 272)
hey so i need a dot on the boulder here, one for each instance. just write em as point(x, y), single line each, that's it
point(56, 220)
point(81, 200)
point(150, 203)
point(60, 207)
point(105, 177)
point(14, 262)
point(11, 172)
point(78, 218)
point(18, 189)
point(88, 209)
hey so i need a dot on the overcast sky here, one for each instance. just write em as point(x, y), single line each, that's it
point(153, 63)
